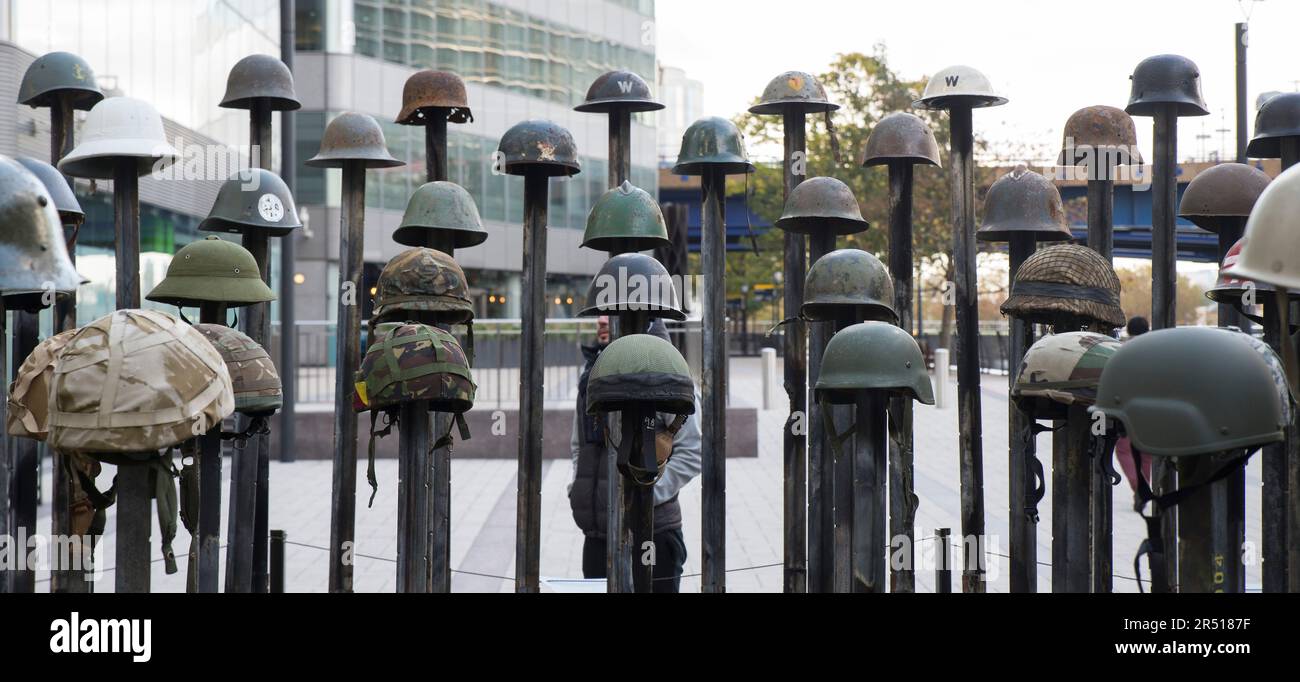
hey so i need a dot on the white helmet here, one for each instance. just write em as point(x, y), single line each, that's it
point(1269, 252)
point(115, 128)
point(958, 85)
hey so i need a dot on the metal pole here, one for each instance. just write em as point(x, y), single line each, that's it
point(276, 582)
point(435, 146)
point(531, 385)
point(1101, 238)
point(1234, 486)
point(1202, 535)
point(5, 576)
point(821, 467)
point(1284, 470)
point(1071, 504)
point(1164, 279)
point(942, 571)
point(413, 466)
point(620, 146)
point(797, 557)
point(631, 521)
point(1241, 39)
point(25, 459)
point(842, 492)
point(713, 383)
point(288, 426)
point(1022, 448)
point(1273, 472)
point(902, 499)
point(870, 457)
point(209, 545)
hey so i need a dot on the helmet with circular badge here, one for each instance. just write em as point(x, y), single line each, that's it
point(1060, 370)
point(253, 200)
point(256, 383)
point(848, 284)
point(29, 394)
point(1065, 285)
point(212, 270)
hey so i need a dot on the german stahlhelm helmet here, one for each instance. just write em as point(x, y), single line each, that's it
point(1269, 254)
point(1277, 118)
point(793, 89)
point(640, 371)
point(1060, 370)
point(958, 86)
point(618, 90)
point(414, 362)
point(353, 137)
point(822, 205)
point(538, 147)
point(253, 201)
point(1099, 136)
point(260, 77)
point(1222, 194)
point(423, 280)
point(633, 282)
point(625, 218)
point(427, 92)
point(29, 394)
point(441, 207)
point(33, 255)
point(1166, 79)
point(1066, 284)
point(1023, 202)
point(65, 202)
point(873, 356)
point(59, 74)
point(900, 137)
point(212, 270)
point(849, 284)
point(1191, 391)
point(712, 143)
point(252, 374)
point(120, 128)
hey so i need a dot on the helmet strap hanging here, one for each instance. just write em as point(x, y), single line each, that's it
point(180, 312)
point(830, 131)
point(1103, 452)
point(164, 494)
point(389, 421)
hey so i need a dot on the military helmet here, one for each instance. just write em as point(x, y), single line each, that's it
point(55, 74)
point(428, 91)
point(900, 137)
point(1061, 370)
point(212, 270)
point(29, 394)
point(958, 86)
point(793, 88)
point(1066, 282)
point(415, 362)
point(33, 254)
point(873, 356)
point(1220, 194)
point(1023, 202)
point(252, 201)
point(633, 282)
point(178, 385)
point(252, 374)
point(1099, 134)
point(353, 137)
point(1269, 254)
point(1230, 288)
point(822, 205)
point(712, 143)
point(1166, 79)
point(1277, 118)
point(65, 201)
point(625, 218)
point(260, 77)
point(119, 128)
point(441, 207)
point(849, 284)
point(618, 90)
point(538, 146)
point(1191, 391)
point(640, 371)
point(423, 280)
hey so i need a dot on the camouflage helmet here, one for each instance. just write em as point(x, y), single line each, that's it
point(625, 218)
point(849, 284)
point(65, 201)
point(260, 77)
point(1099, 133)
point(1277, 118)
point(1065, 284)
point(1191, 391)
point(538, 146)
point(900, 137)
point(353, 137)
point(33, 253)
point(1023, 202)
point(1166, 79)
point(29, 394)
point(640, 371)
point(252, 374)
point(712, 143)
point(423, 280)
point(56, 74)
point(136, 381)
point(212, 270)
point(444, 208)
point(618, 90)
point(873, 356)
point(1061, 370)
point(253, 201)
point(427, 91)
point(633, 282)
point(415, 362)
point(822, 205)
point(958, 86)
point(1222, 195)
point(793, 88)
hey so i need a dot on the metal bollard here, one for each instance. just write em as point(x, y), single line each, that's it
point(943, 569)
point(941, 378)
point(768, 363)
point(276, 561)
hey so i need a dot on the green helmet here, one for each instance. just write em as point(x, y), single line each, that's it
point(640, 371)
point(873, 356)
point(822, 206)
point(212, 270)
point(1060, 370)
point(633, 282)
point(712, 143)
point(1023, 202)
point(624, 219)
point(849, 284)
point(253, 201)
point(441, 207)
point(416, 362)
point(252, 374)
point(55, 74)
point(1191, 391)
point(793, 88)
point(423, 280)
point(33, 254)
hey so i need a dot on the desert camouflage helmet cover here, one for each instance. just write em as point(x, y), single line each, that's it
point(1061, 370)
point(29, 394)
point(423, 279)
point(252, 374)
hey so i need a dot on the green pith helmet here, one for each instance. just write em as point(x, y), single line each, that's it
point(253, 201)
point(633, 282)
point(1023, 202)
point(56, 74)
point(1066, 283)
point(1061, 370)
point(1277, 118)
point(625, 218)
point(873, 356)
point(712, 143)
point(1222, 195)
point(538, 147)
point(849, 284)
point(212, 270)
point(793, 88)
point(252, 374)
point(65, 202)
point(416, 362)
point(1166, 79)
point(822, 206)
point(423, 280)
point(640, 371)
point(260, 77)
point(618, 90)
point(33, 253)
point(441, 207)
point(353, 137)
point(1191, 391)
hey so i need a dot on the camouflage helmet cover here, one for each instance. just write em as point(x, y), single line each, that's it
point(423, 279)
point(29, 394)
point(252, 374)
point(415, 362)
point(1061, 370)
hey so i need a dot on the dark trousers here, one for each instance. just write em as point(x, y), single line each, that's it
point(670, 558)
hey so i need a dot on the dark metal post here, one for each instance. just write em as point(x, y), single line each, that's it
point(531, 385)
point(842, 486)
point(413, 529)
point(1230, 493)
point(1203, 534)
point(435, 146)
point(288, 252)
point(943, 571)
point(276, 579)
point(5, 576)
point(620, 146)
point(1071, 504)
point(209, 545)
point(797, 556)
point(1164, 284)
point(1241, 39)
point(870, 457)
point(1022, 446)
point(1284, 470)
point(631, 506)
point(902, 499)
point(713, 383)
point(1273, 472)
point(821, 466)
point(25, 459)
point(1101, 238)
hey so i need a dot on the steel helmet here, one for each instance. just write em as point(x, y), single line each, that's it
point(1023, 202)
point(958, 86)
point(900, 137)
point(793, 88)
point(1066, 284)
point(65, 201)
point(212, 270)
point(712, 143)
point(640, 371)
point(873, 356)
point(1278, 117)
point(1061, 370)
point(1099, 133)
point(57, 74)
point(428, 91)
point(423, 280)
point(1191, 391)
point(633, 282)
point(1230, 288)
point(441, 207)
point(33, 254)
point(253, 201)
point(1166, 79)
point(253, 377)
point(618, 90)
point(260, 77)
point(822, 205)
point(625, 218)
point(1269, 254)
point(1222, 194)
point(118, 128)
point(353, 137)
point(29, 394)
point(849, 284)
point(538, 146)
point(415, 362)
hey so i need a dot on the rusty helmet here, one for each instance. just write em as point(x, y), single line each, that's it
point(822, 205)
point(712, 143)
point(1278, 117)
point(260, 77)
point(793, 88)
point(65, 201)
point(900, 137)
point(1066, 284)
point(1023, 202)
point(434, 90)
point(958, 86)
point(1222, 194)
point(538, 146)
point(849, 283)
point(1163, 80)
point(632, 282)
point(1099, 133)
point(618, 90)
point(59, 74)
point(353, 137)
